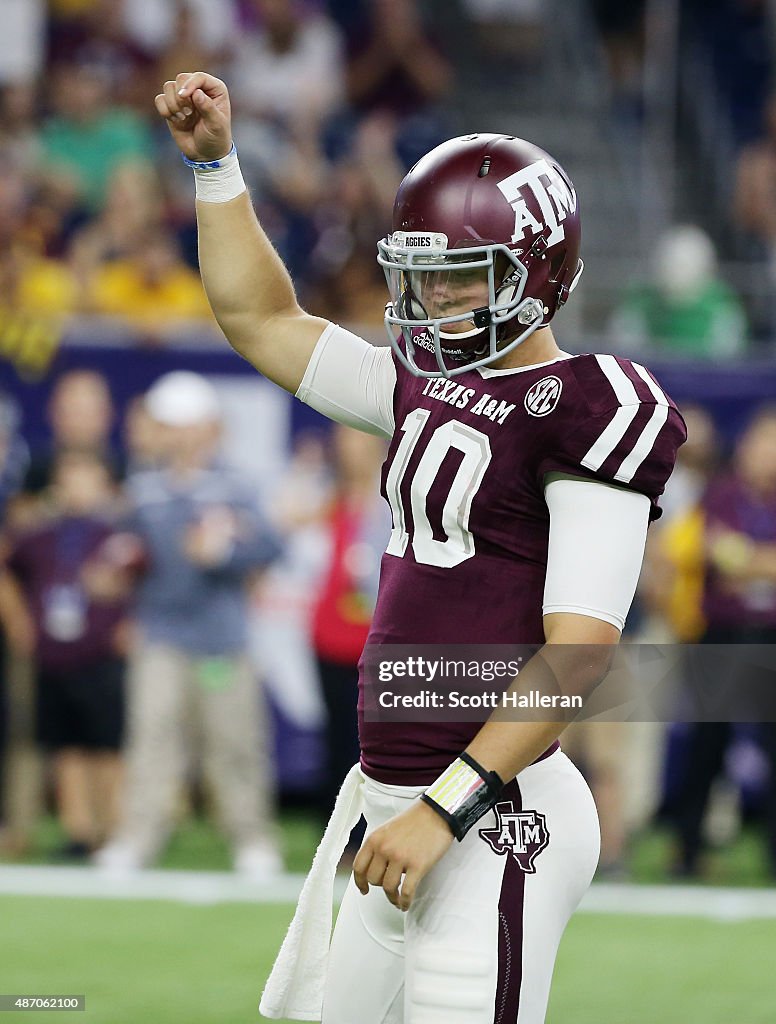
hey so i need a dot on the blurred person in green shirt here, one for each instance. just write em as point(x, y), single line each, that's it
point(685, 309)
point(86, 139)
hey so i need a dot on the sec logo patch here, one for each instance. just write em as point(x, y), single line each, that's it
point(543, 396)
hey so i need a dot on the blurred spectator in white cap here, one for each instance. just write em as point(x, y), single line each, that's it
point(183, 399)
point(204, 539)
point(685, 308)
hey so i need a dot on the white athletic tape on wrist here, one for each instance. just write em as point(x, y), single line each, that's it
point(463, 793)
point(218, 181)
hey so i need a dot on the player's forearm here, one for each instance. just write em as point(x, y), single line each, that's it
point(508, 747)
point(251, 293)
point(590, 526)
point(557, 670)
point(244, 277)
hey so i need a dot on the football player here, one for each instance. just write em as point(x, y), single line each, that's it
point(521, 482)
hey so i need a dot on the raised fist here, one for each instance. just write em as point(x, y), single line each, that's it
point(196, 108)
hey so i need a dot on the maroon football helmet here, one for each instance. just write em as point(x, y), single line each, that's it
point(484, 251)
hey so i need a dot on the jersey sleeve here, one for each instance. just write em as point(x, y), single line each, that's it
point(624, 430)
point(351, 381)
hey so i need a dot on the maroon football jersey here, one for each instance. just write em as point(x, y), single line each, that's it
point(464, 477)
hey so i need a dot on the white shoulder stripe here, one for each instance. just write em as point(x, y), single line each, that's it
point(610, 437)
point(657, 392)
point(629, 406)
point(614, 432)
point(643, 446)
point(648, 436)
point(621, 383)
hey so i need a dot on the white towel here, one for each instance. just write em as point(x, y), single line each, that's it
point(295, 987)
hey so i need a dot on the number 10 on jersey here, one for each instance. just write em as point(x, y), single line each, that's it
point(459, 542)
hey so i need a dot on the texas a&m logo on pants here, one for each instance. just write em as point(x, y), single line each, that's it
point(522, 833)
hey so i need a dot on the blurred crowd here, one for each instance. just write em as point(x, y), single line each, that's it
point(130, 584)
point(149, 600)
point(332, 103)
point(152, 602)
point(710, 290)
point(709, 577)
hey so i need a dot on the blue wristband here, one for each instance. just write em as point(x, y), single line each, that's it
point(209, 165)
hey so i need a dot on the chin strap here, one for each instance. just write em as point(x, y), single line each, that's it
point(458, 355)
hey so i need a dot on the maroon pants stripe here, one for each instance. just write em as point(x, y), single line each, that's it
point(510, 929)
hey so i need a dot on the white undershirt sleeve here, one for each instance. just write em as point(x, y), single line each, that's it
point(597, 538)
point(351, 381)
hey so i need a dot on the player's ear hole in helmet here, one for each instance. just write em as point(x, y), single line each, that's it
point(484, 250)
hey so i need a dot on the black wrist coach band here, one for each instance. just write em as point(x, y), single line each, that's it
point(463, 793)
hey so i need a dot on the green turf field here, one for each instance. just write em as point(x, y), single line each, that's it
point(170, 963)
point(166, 963)
point(197, 846)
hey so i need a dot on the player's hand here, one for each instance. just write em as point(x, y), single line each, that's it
point(410, 845)
point(198, 114)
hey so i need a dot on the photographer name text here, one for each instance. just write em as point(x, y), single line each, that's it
point(492, 699)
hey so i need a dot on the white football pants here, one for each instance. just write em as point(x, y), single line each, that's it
point(478, 944)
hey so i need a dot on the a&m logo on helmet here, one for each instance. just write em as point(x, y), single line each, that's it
point(542, 397)
point(520, 833)
point(554, 194)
